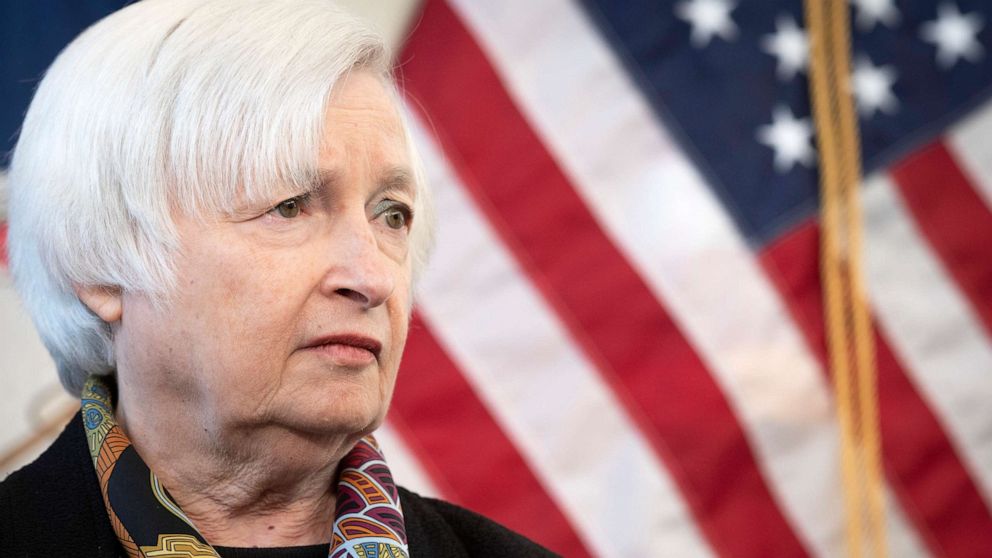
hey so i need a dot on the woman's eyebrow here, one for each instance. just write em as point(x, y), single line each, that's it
point(323, 182)
point(398, 180)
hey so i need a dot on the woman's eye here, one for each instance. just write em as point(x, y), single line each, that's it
point(395, 218)
point(396, 215)
point(289, 208)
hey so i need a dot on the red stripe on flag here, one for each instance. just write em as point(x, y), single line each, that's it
point(599, 297)
point(3, 244)
point(923, 469)
point(953, 218)
point(450, 430)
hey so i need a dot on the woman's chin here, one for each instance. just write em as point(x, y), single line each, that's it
point(349, 413)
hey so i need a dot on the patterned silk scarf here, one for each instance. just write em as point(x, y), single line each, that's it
point(368, 522)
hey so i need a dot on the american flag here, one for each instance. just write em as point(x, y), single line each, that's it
point(618, 348)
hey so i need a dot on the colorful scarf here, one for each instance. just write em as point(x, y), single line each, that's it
point(368, 521)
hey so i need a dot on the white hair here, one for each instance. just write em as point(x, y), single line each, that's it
point(169, 106)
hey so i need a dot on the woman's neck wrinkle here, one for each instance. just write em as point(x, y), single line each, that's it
point(279, 498)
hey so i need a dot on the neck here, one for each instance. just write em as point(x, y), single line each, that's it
point(242, 487)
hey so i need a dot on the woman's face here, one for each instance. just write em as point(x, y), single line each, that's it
point(292, 313)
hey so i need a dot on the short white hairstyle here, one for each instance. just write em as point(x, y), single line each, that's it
point(170, 106)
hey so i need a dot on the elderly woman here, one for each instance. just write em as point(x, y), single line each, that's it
point(216, 219)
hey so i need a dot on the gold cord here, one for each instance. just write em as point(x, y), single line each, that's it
point(850, 338)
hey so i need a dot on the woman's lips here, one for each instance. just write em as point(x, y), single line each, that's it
point(345, 355)
point(349, 350)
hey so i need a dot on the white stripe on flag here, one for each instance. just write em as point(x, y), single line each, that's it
point(969, 140)
point(403, 464)
point(595, 465)
point(931, 327)
point(3, 196)
point(659, 212)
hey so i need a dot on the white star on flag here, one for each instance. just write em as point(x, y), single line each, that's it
point(789, 45)
point(954, 34)
point(872, 12)
point(872, 87)
point(708, 18)
point(789, 137)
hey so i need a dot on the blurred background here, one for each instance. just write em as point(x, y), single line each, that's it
point(618, 349)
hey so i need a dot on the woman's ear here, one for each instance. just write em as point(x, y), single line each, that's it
point(101, 300)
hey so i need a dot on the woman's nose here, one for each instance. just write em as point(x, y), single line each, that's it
point(358, 269)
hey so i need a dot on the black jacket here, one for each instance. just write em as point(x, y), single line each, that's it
point(53, 508)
